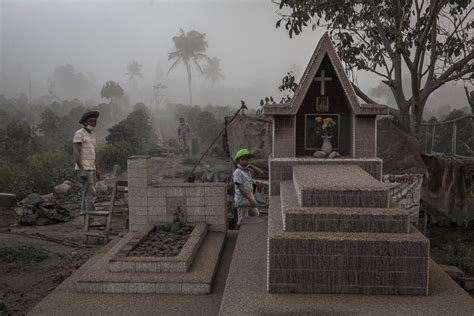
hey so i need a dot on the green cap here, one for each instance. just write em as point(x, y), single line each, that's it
point(243, 152)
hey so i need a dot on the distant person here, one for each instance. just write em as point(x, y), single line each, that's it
point(84, 145)
point(242, 177)
point(184, 135)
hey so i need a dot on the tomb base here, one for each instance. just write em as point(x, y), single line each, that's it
point(339, 219)
point(197, 279)
point(345, 262)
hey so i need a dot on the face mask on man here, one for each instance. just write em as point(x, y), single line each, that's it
point(90, 128)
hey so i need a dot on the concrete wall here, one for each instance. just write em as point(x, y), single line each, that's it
point(365, 137)
point(153, 203)
point(284, 136)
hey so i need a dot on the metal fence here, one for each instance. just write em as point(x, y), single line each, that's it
point(453, 137)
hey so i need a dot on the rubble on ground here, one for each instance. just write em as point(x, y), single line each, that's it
point(101, 187)
point(63, 188)
point(34, 210)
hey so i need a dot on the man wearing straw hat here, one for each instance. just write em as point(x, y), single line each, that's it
point(84, 148)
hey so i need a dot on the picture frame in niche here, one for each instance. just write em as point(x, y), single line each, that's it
point(322, 104)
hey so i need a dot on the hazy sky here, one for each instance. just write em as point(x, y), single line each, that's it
point(101, 37)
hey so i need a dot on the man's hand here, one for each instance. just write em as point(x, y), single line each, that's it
point(253, 203)
point(83, 174)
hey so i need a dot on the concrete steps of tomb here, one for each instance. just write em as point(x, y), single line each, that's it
point(345, 262)
point(344, 185)
point(339, 219)
point(197, 280)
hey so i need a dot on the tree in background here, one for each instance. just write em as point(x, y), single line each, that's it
point(288, 86)
point(432, 39)
point(111, 90)
point(17, 141)
point(134, 71)
point(190, 48)
point(30, 162)
point(213, 71)
point(66, 83)
point(132, 136)
point(49, 126)
point(136, 130)
point(203, 123)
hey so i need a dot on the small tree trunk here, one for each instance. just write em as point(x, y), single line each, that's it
point(470, 99)
point(417, 117)
point(405, 119)
point(188, 69)
point(111, 107)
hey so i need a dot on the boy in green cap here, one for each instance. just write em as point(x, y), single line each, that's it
point(242, 177)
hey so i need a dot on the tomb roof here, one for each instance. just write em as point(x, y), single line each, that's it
point(325, 47)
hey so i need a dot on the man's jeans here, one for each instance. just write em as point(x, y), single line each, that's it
point(89, 193)
point(185, 147)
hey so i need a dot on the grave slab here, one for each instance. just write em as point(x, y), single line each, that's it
point(281, 169)
point(342, 219)
point(65, 300)
point(246, 291)
point(338, 186)
point(198, 280)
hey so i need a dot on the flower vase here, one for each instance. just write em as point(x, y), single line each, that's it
point(326, 146)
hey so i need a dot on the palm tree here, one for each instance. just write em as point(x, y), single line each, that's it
point(111, 90)
point(133, 71)
point(213, 70)
point(190, 47)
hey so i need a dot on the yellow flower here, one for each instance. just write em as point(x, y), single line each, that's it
point(327, 122)
point(318, 119)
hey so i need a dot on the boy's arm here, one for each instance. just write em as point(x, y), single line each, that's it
point(258, 171)
point(247, 195)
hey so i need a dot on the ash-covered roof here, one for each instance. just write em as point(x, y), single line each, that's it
point(325, 47)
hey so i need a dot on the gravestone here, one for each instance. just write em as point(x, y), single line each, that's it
point(154, 205)
point(334, 228)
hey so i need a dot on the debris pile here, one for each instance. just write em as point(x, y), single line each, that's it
point(34, 210)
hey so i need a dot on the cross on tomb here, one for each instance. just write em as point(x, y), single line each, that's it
point(323, 78)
